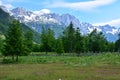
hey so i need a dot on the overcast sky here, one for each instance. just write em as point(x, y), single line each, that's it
point(97, 12)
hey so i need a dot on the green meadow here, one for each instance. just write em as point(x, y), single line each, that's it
point(96, 67)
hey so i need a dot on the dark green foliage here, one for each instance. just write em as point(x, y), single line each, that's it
point(69, 38)
point(36, 48)
point(47, 40)
point(65, 41)
point(71, 33)
point(28, 42)
point(51, 39)
point(44, 41)
point(13, 43)
point(85, 43)
point(59, 46)
point(111, 47)
point(1, 43)
point(97, 42)
point(117, 46)
point(78, 42)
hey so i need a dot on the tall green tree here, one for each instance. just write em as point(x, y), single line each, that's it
point(51, 39)
point(13, 42)
point(97, 42)
point(59, 46)
point(47, 40)
point(28, 42)
point(78, 42)
point(71, 37)
point(85, 43)
point(44, 40)
point(65, 40)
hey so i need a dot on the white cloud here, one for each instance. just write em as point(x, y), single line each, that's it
point(88, 5)
point(43, 11)
point(115, 22)
point(8, 6)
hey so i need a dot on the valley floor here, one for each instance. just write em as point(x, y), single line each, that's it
point(101, 67)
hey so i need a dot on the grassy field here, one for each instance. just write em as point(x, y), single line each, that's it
point(98, 67)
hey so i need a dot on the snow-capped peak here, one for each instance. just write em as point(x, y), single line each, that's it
point(20, 11)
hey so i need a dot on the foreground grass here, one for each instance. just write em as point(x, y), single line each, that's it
point(101, 67)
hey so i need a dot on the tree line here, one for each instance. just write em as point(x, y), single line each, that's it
point(71, 41)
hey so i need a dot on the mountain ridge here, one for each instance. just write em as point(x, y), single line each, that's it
point(59, 22)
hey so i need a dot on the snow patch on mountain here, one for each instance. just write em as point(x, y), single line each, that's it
point(37, 19)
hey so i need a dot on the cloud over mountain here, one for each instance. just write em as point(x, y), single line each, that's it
point(115, 22)
point(42, 11)
point(8, 6)
point(87, 5)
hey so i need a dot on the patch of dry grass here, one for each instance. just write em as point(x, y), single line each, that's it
point(56, 71)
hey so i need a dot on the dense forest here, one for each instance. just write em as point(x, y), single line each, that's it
point(71, 41)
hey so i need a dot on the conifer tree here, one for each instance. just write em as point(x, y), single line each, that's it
point(47, 40)
point(28, 42)
point(59, 46)
point(78, 42)
point(71, 37)
point(13, 42)
point(97, 42)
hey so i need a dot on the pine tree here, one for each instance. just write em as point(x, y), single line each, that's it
point(28, 42)
point(78, 42)
point(13, 42)
point(51, 40)
point(59, 46)
point(65, 40)
point(71, 33)
point(44, 40)
point(47, 40)
point(97, 41)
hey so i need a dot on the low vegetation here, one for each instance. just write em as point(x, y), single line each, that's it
point(97, 67)
point(100, 59)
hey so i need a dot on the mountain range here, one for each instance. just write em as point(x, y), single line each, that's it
point(58, 23)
